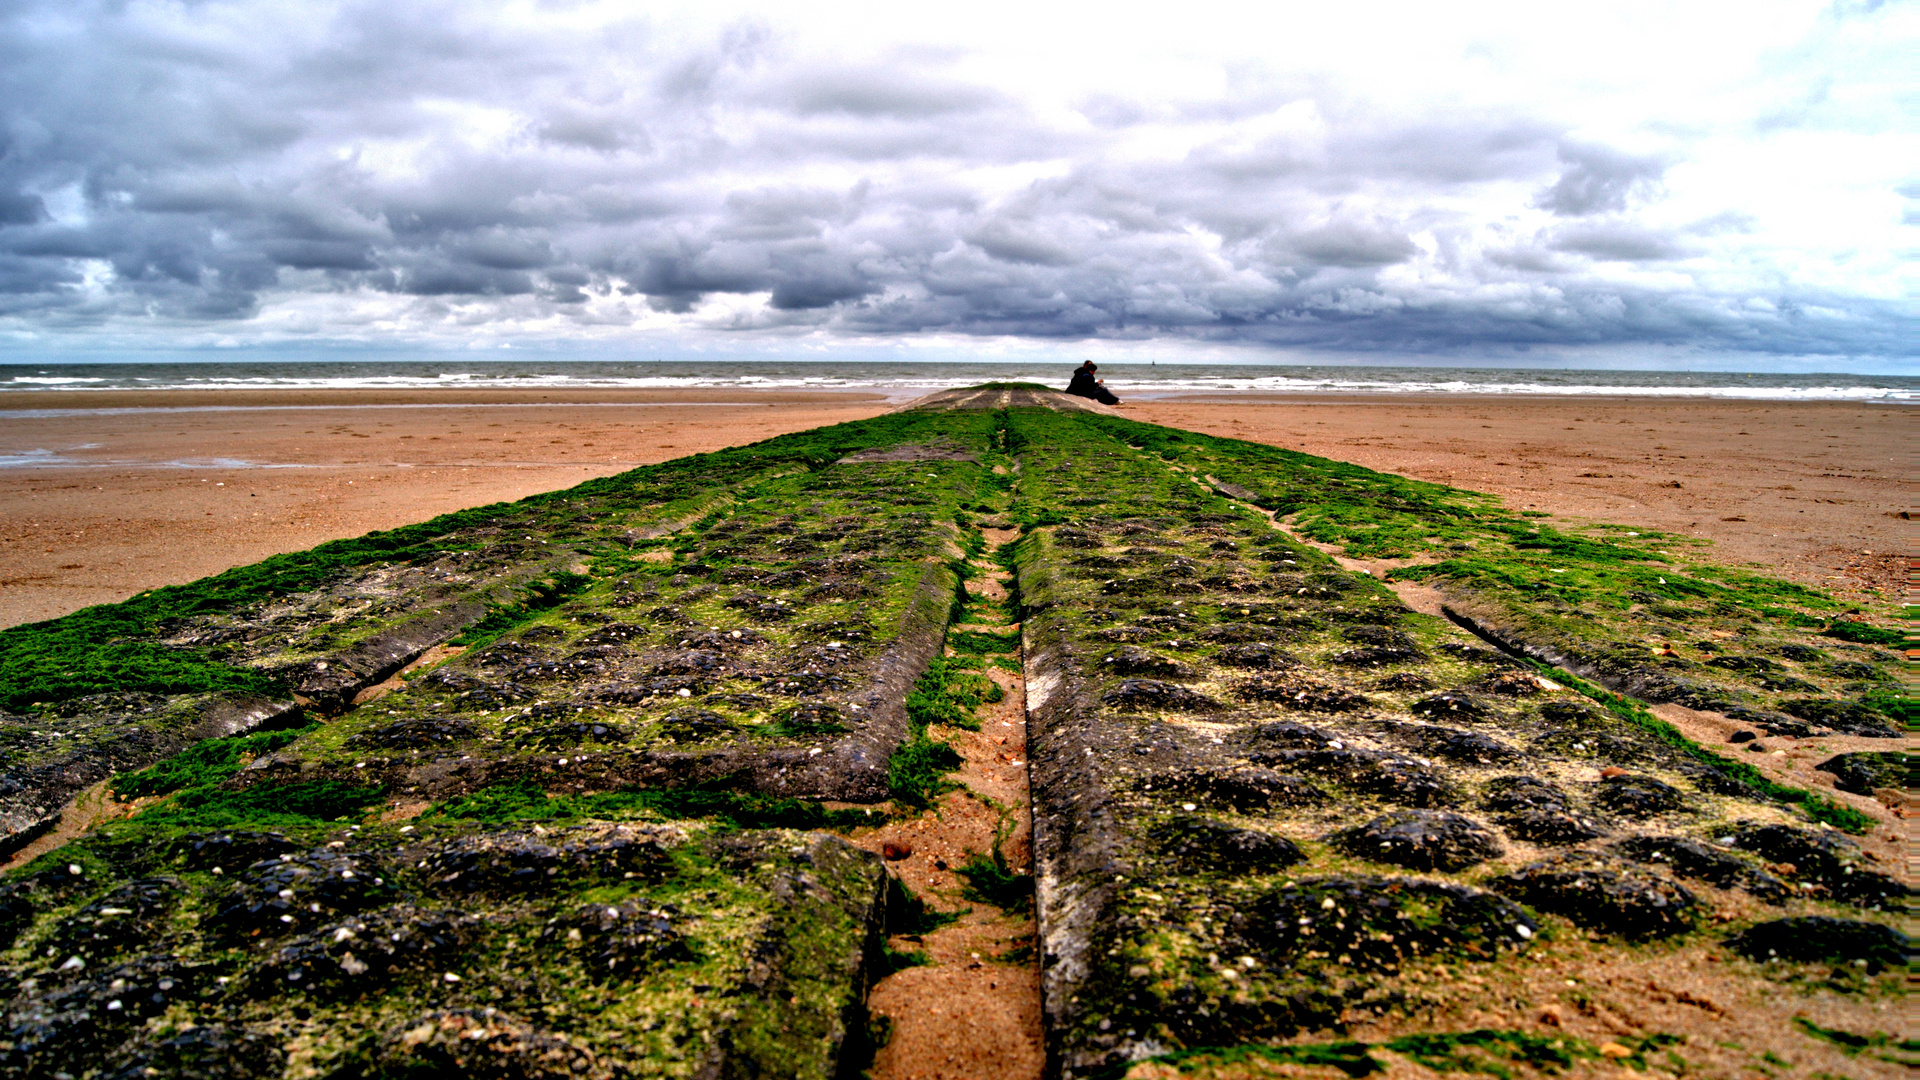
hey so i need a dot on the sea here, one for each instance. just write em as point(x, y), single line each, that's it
point(904, 381)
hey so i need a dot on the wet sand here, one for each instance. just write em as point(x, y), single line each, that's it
point(129, 490)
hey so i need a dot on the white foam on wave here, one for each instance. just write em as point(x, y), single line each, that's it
point(1279, 385)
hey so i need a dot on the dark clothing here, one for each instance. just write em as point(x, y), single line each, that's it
point(1084, 385)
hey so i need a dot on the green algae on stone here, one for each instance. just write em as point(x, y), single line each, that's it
point(540, 596)
point(1902, 1051)
point(1484, 1051)
point(673, 671)
point(1189, 661)
point(1817, 807)
point(773, 647)
point(990, 879)
point(1603, 599)
point(522, 801)
point(947, 693)
point(207, 762)
point(652, 950)
point(1865, 772)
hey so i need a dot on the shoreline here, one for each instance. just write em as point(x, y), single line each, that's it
point(1466, 397)
point(109, 492)
point(14, 403)
point(373, 397)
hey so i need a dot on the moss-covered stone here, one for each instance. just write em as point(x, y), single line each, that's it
point(1303, 703)
point(1268, 796)
point(660, 950)
point(1866, 772)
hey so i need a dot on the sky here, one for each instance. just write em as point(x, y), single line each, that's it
point(1625, 184)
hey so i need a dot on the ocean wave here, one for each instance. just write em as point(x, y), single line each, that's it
point(905, 381)
point(1158, 389)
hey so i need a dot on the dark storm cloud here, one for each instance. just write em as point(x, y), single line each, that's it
point(21, 209)
point(193, 167)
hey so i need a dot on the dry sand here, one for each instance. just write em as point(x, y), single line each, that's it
point(145, 500)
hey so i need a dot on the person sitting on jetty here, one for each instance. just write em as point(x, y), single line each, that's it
point(1085, 385)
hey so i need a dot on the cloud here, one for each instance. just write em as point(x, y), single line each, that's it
point(1020, 242)
point(564, 173)
point(1617, 242)
point(1598, 179)
point(1354, 244)
point(21, 209)
point(879, 92)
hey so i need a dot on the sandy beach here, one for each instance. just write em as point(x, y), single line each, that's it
point(104, 494)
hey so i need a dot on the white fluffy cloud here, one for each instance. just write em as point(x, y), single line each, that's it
point(1480, 185)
